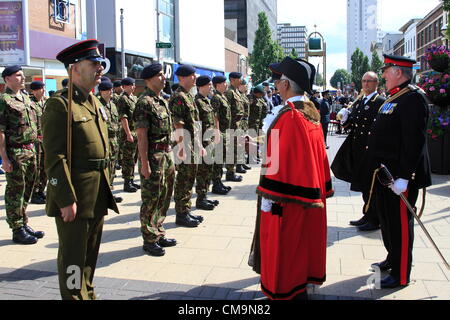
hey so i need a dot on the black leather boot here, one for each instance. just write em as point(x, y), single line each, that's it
point(217, 188)
point(118, 199)
point(197, 218)
point(31, 232)
point(36, 199)
point(231, 176)
point(203, 204)
point(246, 167)
point(21, 236)
point(128, 187)
point(228, 188)
point(154, 249)
point(185, 220)
point(137, 186)
point(240, 169)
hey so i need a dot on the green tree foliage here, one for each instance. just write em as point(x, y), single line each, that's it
point(265, 51)
point(294, 54)
point(320, 82)
point(376, 64)
point(360, 65)
point(342, 76)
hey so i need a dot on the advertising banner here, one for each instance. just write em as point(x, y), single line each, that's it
point(14, 33)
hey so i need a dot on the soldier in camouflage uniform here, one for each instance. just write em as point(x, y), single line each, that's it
point(185, 119)
point(237, 114)
point(38, 102)
point(153, 124)
point(258, 112)
point(222, 109)
point(118, 90)
point(243, 89)
point(18, 133)
point(113, 123)
point(209, 126)
point(128, 138)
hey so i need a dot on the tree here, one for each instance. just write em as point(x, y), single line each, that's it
point(265, 51)
point(342, 76)
point(376, 64)
point(360, 65)
point(294, 54)
point(320, 82)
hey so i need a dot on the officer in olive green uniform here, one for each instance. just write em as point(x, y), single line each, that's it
point(18, 133)
point(185, 118)
point(209, 123)
point(38, 102)
point(78, 194)
point(222, 110)
point(128, 137)
point(153, 125)
point(237, 114)
point(105, 93)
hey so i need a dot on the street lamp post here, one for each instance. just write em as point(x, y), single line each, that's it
point(122, 35)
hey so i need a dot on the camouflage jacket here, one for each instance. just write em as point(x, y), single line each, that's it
point(246, 101)
point(206, 112)
point(38, 107)
point(222, 109)
point(113, 118)
point(18, 119)
point(126, 106)
point(237, 106)
point(152, 113)
point(184, 111)
point(258, 111)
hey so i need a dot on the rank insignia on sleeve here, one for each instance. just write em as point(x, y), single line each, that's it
point(54, 182)
point(388, 108)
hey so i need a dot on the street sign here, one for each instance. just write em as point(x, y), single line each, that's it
point(163, 45)
point(417, 66)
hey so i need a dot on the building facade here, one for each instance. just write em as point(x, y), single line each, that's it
point(362, 27)
point(292, 37)
point(241, 17)
point(410, 38)
point(389, 40)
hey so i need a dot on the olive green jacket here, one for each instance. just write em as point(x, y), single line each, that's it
point(89, 188)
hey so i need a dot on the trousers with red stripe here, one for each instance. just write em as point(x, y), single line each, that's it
point(397, 227)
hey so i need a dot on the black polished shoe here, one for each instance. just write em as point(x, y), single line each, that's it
point(128, 187)
point(215, 203)
point(118, 199)
point(219, 191)
point(390, 283)
point(203, 204)
point(359, 222)
point(154, 249)
point(197, 218)
point(166, 243)
point(246, 167)
point(42, 195)
point(137, 186)
point(36, 199)
point(22, 237)
point(383, 266)
point(240, 169)
point(186, 220)
point(31, 232)
point(369, 226)
point(233, 177)
point(228, 188)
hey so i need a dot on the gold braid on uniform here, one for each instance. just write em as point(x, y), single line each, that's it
point(366, 208)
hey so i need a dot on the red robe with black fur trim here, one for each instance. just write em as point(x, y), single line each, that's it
point(296, 177)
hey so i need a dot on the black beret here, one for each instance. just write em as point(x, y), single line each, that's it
point(10, 71)
point(80, 51)
point(151, 70)
point(203, 81)
point(36, 85)
point(185, 71)
point(65, 82)
point(300, 71)
point(104, 79)
point(117, 83)
point(235, 75)
point(105, 86)
point(128, 81)
point(259, 89)
point(219, 79)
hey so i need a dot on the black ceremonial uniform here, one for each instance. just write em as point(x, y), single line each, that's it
point(350, 156)
point(398, 140)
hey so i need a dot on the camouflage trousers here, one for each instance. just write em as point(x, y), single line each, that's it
point(19, 186)
point(186, 174)
point(41, 177)
point(238, 152)
point(129, 156)
point(156, 193)
point(205, 174)
point(220, 159)
point(113, 158)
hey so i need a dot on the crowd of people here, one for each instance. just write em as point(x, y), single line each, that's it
point(181, 140)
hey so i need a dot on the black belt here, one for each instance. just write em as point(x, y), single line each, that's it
point(90, 164)
point(28, 146)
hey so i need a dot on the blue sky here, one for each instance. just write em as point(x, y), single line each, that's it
point(330, 16)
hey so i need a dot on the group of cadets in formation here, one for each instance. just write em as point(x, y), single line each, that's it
point(148, 121)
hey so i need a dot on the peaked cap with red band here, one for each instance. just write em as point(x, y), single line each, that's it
point(84, 50)
point(397, 61)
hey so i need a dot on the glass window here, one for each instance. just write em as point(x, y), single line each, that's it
point(166, 30)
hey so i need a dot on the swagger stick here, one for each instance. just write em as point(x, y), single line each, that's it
point(387, 180)
point(69, 120)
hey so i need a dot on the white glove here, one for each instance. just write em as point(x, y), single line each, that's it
point(399, 186)
point(266, 205)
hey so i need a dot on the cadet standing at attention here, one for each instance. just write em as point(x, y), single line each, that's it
point(105, 92)
point(38, 101)
point(78, 193)
point(209, 123)
point(185, 117)
point(243, 89)
point(18, 134)
point(128, 138)
point(154, 127)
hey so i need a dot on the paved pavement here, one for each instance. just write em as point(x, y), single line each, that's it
point(210, 262)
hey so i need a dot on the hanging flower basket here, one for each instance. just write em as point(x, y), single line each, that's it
point(438, 58)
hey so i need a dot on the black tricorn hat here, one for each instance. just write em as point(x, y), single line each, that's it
point(84, 50)
point(300, 71)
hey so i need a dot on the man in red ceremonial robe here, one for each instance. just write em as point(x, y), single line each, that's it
point(289, 247)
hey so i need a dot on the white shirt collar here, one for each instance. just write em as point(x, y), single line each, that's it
point(370, 96)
